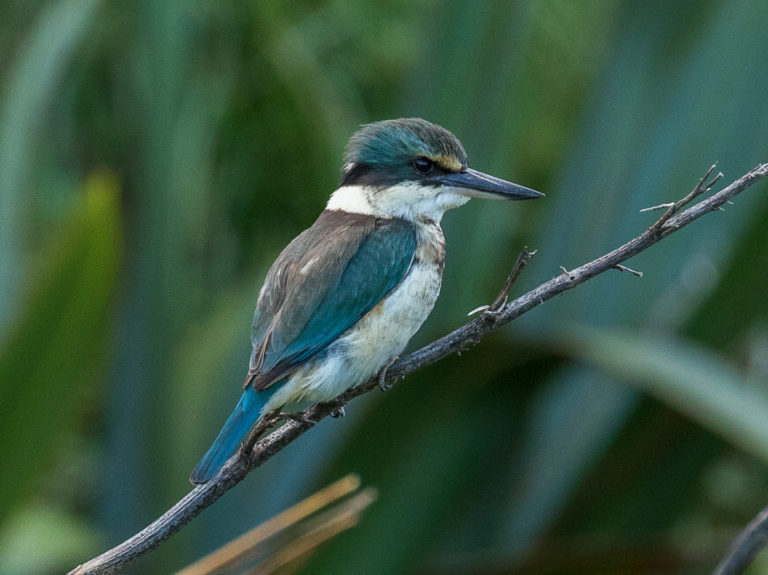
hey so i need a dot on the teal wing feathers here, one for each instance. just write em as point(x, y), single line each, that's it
point(324, 281)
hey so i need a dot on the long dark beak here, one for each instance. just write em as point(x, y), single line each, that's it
point(479, 185)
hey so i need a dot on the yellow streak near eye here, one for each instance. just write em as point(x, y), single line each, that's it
point(449, 163)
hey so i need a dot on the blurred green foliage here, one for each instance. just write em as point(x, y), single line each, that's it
point(156, 156)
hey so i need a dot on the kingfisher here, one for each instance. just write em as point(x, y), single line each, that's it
point(343, 299)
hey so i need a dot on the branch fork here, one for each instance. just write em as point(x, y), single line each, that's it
point(704, 186)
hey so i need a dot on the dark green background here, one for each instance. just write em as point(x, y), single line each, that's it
point(155, 156)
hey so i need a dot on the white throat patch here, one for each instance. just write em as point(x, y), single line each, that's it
point(407, 200)
point(353, 199)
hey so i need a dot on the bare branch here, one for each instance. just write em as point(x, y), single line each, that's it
point(467, 335)
point(746, 546)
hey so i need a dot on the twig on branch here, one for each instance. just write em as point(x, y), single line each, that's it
point(704, 185)
point(522, 260)
point(469, 334)
point(622, 268)
point(501, 299)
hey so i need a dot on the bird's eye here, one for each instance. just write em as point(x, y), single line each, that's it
point(423, 165)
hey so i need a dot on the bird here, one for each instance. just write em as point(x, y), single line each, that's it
point(343, 299)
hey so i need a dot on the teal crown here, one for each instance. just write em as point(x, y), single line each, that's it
point(396, 142)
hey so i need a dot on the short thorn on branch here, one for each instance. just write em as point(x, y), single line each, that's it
point(478, 309)
point(622, 268)
point(659, 207)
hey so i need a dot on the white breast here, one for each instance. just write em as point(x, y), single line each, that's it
point(365, 348)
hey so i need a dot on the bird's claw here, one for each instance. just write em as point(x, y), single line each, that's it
point(382, 379)
point(337, 412)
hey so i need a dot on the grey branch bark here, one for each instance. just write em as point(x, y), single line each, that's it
point(746, 546)
point(676, 216)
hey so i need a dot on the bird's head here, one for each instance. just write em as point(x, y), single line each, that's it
point(413, 169)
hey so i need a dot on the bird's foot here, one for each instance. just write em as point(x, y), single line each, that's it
point(382, 378)
point(337, 412)
point(298, 416)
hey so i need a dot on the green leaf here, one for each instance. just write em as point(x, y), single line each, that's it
point(31, 84)
point(52, 353)
point(694, 381)
point(44, 540)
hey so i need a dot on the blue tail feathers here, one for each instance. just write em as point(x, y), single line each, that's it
point(236, 428)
